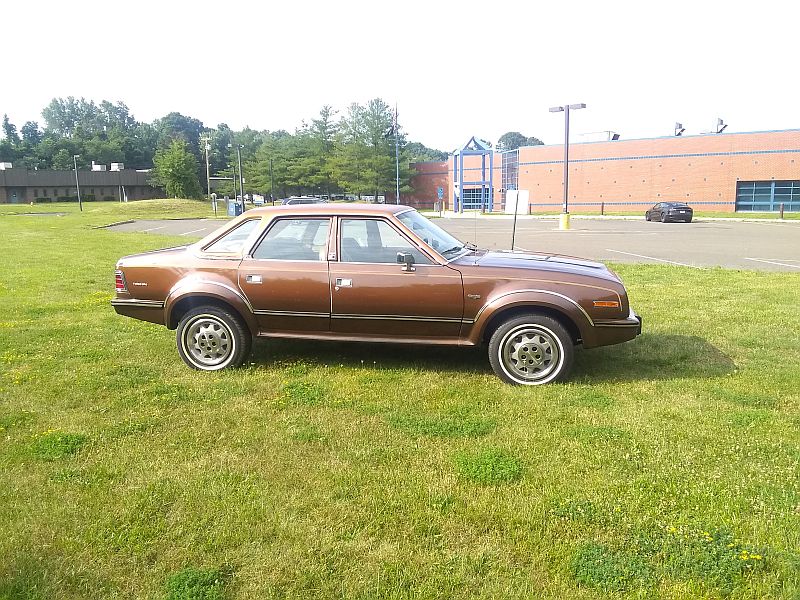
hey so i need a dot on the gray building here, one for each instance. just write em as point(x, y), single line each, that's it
point(24, 186)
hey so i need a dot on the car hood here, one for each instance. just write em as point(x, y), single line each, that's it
point(534, 261)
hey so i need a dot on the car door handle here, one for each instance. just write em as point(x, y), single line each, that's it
point(340, 282)
point(253, 279)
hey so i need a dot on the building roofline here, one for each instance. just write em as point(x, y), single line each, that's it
point(663, 137)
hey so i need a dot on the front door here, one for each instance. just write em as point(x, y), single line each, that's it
point(371, 294)
point(285, 278)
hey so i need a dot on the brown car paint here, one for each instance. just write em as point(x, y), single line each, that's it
point(446, 302)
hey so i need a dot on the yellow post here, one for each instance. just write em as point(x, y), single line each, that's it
point(563, 222)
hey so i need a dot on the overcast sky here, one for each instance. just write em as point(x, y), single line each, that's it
point(455, 69)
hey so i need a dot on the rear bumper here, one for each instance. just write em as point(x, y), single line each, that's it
point(145, 310)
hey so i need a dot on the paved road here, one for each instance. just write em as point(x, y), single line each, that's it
point(765, 246)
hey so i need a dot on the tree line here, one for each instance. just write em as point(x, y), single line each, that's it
point(352, 152)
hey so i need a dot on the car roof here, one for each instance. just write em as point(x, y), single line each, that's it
point(326, 208)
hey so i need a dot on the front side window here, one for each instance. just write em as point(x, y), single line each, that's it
point(295, 239)
point(234, 240)
point(375, 241)
point(433, 235)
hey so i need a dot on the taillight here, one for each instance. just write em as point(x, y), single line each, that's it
point(119, 281)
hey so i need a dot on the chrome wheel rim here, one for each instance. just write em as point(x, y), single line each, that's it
point(530, 354)
point(208, 341)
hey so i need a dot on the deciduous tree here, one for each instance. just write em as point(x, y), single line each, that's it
point(175, 170)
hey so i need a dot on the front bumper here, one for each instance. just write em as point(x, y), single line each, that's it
point(606, 333)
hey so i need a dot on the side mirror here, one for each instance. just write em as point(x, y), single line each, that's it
point(407, 260)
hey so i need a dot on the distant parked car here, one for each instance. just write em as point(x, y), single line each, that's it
point(372, 273)
point(303, 200)
point(670, 211)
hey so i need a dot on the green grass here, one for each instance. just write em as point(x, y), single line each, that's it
point(665, 467)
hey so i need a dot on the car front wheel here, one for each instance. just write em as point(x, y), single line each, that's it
point(663, 217)
point(531, 349)
point(211, 338)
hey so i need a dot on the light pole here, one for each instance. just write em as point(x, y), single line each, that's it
point(233, 174)
point(77, 184)
point(272, 183)
point(208, 168)
point(396, 159)
point(564, 220)
point(241, 179)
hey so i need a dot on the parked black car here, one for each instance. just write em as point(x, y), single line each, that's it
point(670, 211)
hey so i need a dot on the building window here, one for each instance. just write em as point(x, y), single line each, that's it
point(767, 196)
point(510, 170)
point(472, 198)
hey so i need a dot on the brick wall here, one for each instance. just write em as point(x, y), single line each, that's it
point(429, 176)
point(631, 175)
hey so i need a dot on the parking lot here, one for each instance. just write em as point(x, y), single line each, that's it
point(754, 245)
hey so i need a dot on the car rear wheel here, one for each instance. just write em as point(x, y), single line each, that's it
point(531, 349)
point(647, 216)
point(211, 338)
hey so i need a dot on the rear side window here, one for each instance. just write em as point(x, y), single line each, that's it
point(295, 239)
point(234, 239)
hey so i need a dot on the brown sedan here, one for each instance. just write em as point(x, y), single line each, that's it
point(372, 273)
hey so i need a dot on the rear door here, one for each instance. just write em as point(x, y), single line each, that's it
point(286, 279)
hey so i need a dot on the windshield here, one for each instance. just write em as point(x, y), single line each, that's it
point(433, 235)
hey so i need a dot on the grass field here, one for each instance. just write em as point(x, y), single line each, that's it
point(667, 467)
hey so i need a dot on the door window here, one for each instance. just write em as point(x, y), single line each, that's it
point(375, 241)
point(234, 240)
point(295, 239)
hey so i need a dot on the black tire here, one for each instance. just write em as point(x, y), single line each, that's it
point(647, 216)
point(531, 349)
point(689, 220)
point(210, 338)
point(663, 217)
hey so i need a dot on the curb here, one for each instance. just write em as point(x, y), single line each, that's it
point(114, 224)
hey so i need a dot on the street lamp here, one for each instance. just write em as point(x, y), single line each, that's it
point(564, 221)
point(233, 174)
point(206, 141)
point(241, 179)
point(77, 184)
point(272, 181)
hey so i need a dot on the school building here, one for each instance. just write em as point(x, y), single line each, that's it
point(742, 172)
